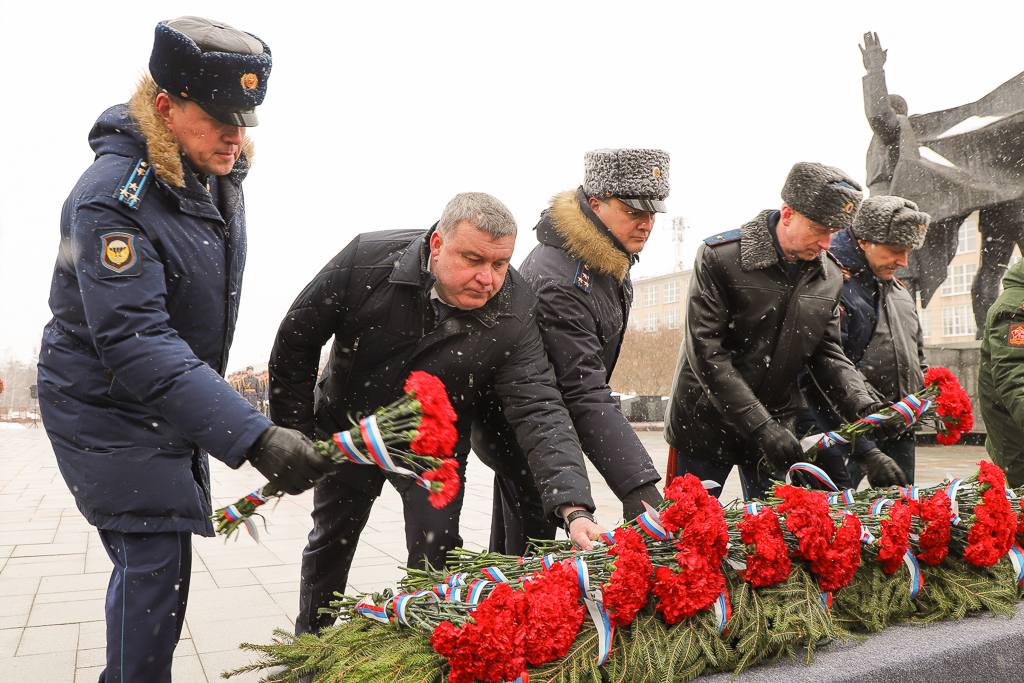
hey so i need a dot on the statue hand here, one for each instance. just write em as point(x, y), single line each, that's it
point(872, 52)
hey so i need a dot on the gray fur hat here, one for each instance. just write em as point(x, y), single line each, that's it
point(636, 177)
point(891, 220)
point(822, 193)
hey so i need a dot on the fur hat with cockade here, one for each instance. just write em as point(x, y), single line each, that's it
point(823, 194)
point(636, 177)
point(891, 220)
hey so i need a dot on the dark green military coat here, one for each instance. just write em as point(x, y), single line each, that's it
point(1001, 377)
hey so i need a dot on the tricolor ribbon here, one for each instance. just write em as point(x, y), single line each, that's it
point(723, 609)
point(910, 492)
point(495, 574)
point(911, 408)
point(476, 591)
point(809, 443)
point(582, 575)
point(879, 505)
point(1017, 560)
point(459, 579)
point(826, 600)
point(951, 489)
point(401, 602)
point(846, 496)
point(753, 508)
point(915, 573)
point(865, 536)
point(1010, 494)
point(378, 450)
point(605, 629)
point(815, 472)
point(548, 561)
point(366, 608)
point(344, 442)
point(607, 537)
point(650, 522)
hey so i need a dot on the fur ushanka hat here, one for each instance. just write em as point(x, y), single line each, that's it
point(891, 220)
point(822, 193)
point(636, 177)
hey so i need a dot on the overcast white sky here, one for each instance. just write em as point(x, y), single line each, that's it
point(378, 113)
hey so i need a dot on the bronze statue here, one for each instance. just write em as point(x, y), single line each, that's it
point(951, 163)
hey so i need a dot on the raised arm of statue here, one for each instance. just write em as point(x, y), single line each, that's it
point(883, 120)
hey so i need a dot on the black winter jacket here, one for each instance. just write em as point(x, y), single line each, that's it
point(580, 274)
point(749, 332)
point(374, 297)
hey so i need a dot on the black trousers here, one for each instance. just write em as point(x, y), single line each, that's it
point(146, 599)
point(340, 513)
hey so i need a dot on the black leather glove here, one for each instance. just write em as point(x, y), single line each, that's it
point(881, 470)
point(287, 459)
point(885, 430)
point(779, 444)
point(633, 503)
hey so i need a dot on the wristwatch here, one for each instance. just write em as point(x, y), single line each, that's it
point(575, 514)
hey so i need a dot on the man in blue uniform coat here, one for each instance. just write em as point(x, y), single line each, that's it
point(144, 299)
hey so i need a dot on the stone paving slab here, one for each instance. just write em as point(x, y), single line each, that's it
point(54, 571)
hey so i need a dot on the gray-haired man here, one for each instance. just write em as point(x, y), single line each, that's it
point(444, 301)
point(589, 238)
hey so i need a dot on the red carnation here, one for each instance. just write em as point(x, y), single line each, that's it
point(834, 553)
point(436, 434)
point(952, 405)
point(492, 648)
point(768, 560)
point(995, 527)
point(554, 614)
point(895, 536)
point(694, 587)
point(630, 584)
point(447, 477)
point(936, 512)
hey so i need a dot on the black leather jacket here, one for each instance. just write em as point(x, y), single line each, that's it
point(374, 297)
point(749, 332)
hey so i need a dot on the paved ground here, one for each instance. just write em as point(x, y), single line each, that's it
point(54, 571)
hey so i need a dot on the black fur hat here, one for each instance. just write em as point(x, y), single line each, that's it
point(822, 193)
point(891, 220)
point(218, 67)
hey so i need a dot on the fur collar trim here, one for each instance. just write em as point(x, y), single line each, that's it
point(583, 240)
point(162, 150)
point(757, 247)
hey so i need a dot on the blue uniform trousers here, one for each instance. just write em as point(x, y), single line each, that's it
point(146, 600)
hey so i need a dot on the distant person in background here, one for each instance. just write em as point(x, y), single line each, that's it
point(144, 298)
point(881, 335)
point(1001, 378)
point(763, 304)
point(589, 239)
point(251, 388)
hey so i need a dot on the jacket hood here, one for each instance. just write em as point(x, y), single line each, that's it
point(757, 246)
point(578, 231)
point(1014, 276)
point(137, 130)
point(848, 252)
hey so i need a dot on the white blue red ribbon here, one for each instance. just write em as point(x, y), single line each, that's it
point(865, 536)
point(815, 441)
point(548, 561)
point(915, 573)
point(753, 508)
point(846, 496)
point(723, 609)
point(582, 575)
point(605, 629)
point(815, 472)
point(1010, 494)
point(344, 442)
point(650, 522)
point(910, 492)
point(826, 600)
point(400, 602)
point(475, 591)
point(951, 489)
point(1017, 560)
point(879, 506)
point(608, 538)
point(495, 574)
point(368, 609)
point(378, 450)
point(459, 579)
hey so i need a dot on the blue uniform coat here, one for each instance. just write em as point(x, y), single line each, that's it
point(144, 298)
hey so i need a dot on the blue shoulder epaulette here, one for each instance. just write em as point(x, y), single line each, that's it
point(583, 277)
point(134, 183)
point(723, 237)
point(846, 273)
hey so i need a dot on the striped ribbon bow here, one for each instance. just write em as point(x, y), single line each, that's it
point(815, 472)
point(378, 452)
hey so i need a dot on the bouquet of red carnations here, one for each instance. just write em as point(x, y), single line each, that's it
point(942, 400)
point(412, 437)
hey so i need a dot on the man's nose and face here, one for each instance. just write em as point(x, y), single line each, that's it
point(801, 238)
point(211, 146)
point(884, 259)
point(632, 227)
point(470, 264)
